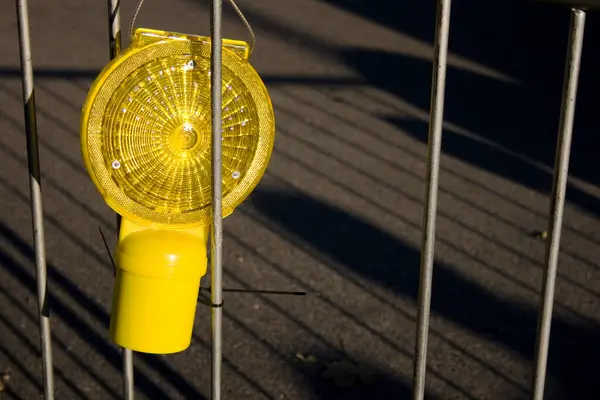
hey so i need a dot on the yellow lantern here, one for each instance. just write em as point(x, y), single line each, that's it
point(146, 142)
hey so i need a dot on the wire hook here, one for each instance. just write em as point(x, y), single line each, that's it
point(233, 4)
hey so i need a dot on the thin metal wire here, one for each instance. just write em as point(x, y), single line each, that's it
point(262, 291)
point(134, 18)
point(561, 172)
point(107, 248)
point(233, 4)
point(429, 214)
point(246, 24)
point(216, 276)
point(35, 192)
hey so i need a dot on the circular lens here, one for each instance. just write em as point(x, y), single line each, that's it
point(151, 116)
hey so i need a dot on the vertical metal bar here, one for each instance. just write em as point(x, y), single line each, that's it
point(35, 191)
point(217, 217)
point(114, 27)
point(436, 120)
point(128, 387)
point(128, 384)
point(114, 42)
point(561, 172)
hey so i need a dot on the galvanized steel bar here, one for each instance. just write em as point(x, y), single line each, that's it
point(216, 277)
point(128, 386)
point(561, 172)
point(114, 27)
point(35, 191)
point(429, 215)
point(114, 41)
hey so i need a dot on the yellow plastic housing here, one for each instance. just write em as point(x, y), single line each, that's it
point(146, 130)
point(146, 142)
point(156, 289)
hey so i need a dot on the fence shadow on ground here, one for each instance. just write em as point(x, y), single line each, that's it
point(353, 380)
point(58, 308)
point(321, 387)
point(511, 116)
point(378, 256)
point(524, 40)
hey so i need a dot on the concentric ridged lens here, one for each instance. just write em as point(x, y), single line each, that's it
point(146, 133)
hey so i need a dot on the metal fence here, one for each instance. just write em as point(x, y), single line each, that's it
point(572, 65)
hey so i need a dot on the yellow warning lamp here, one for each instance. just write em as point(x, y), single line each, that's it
point(146, 142)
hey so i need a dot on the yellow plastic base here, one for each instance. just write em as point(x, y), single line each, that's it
point(156, 290)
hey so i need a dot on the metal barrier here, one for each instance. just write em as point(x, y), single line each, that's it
point(573, 58)
point(114, 43)
point(35, 190)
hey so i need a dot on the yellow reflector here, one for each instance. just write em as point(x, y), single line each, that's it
point(146, 129)
point(146, 141)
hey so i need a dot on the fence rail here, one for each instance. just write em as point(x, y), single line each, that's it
point(572, 66)
point(216, 236)
point(35, 190)
point(436, 121)
point(561, 173)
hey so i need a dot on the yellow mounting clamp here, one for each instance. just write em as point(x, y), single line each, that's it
point(146, 143)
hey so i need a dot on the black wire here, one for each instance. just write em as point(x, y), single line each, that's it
point(112, 260)
point(207, 289)
point(261, 291)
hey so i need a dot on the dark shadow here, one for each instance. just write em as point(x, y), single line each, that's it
point(330, 382)
point(513, 118)
point(13, 395)
point(56, 342)
point(458, 247)
point(522, 39)
point(525, 40)
point(328, 302)
point(14, 361)
point(503, 164)
point(57, 371)
point(384, 138)
point(99, 343)
point(519, 38)
point(384, 259)
point(323, 388)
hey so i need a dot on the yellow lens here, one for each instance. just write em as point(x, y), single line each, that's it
point(146, 131)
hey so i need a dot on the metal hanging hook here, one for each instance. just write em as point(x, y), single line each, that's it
point(236, 8)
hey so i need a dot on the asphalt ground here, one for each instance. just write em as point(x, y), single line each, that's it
point(339, 211)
